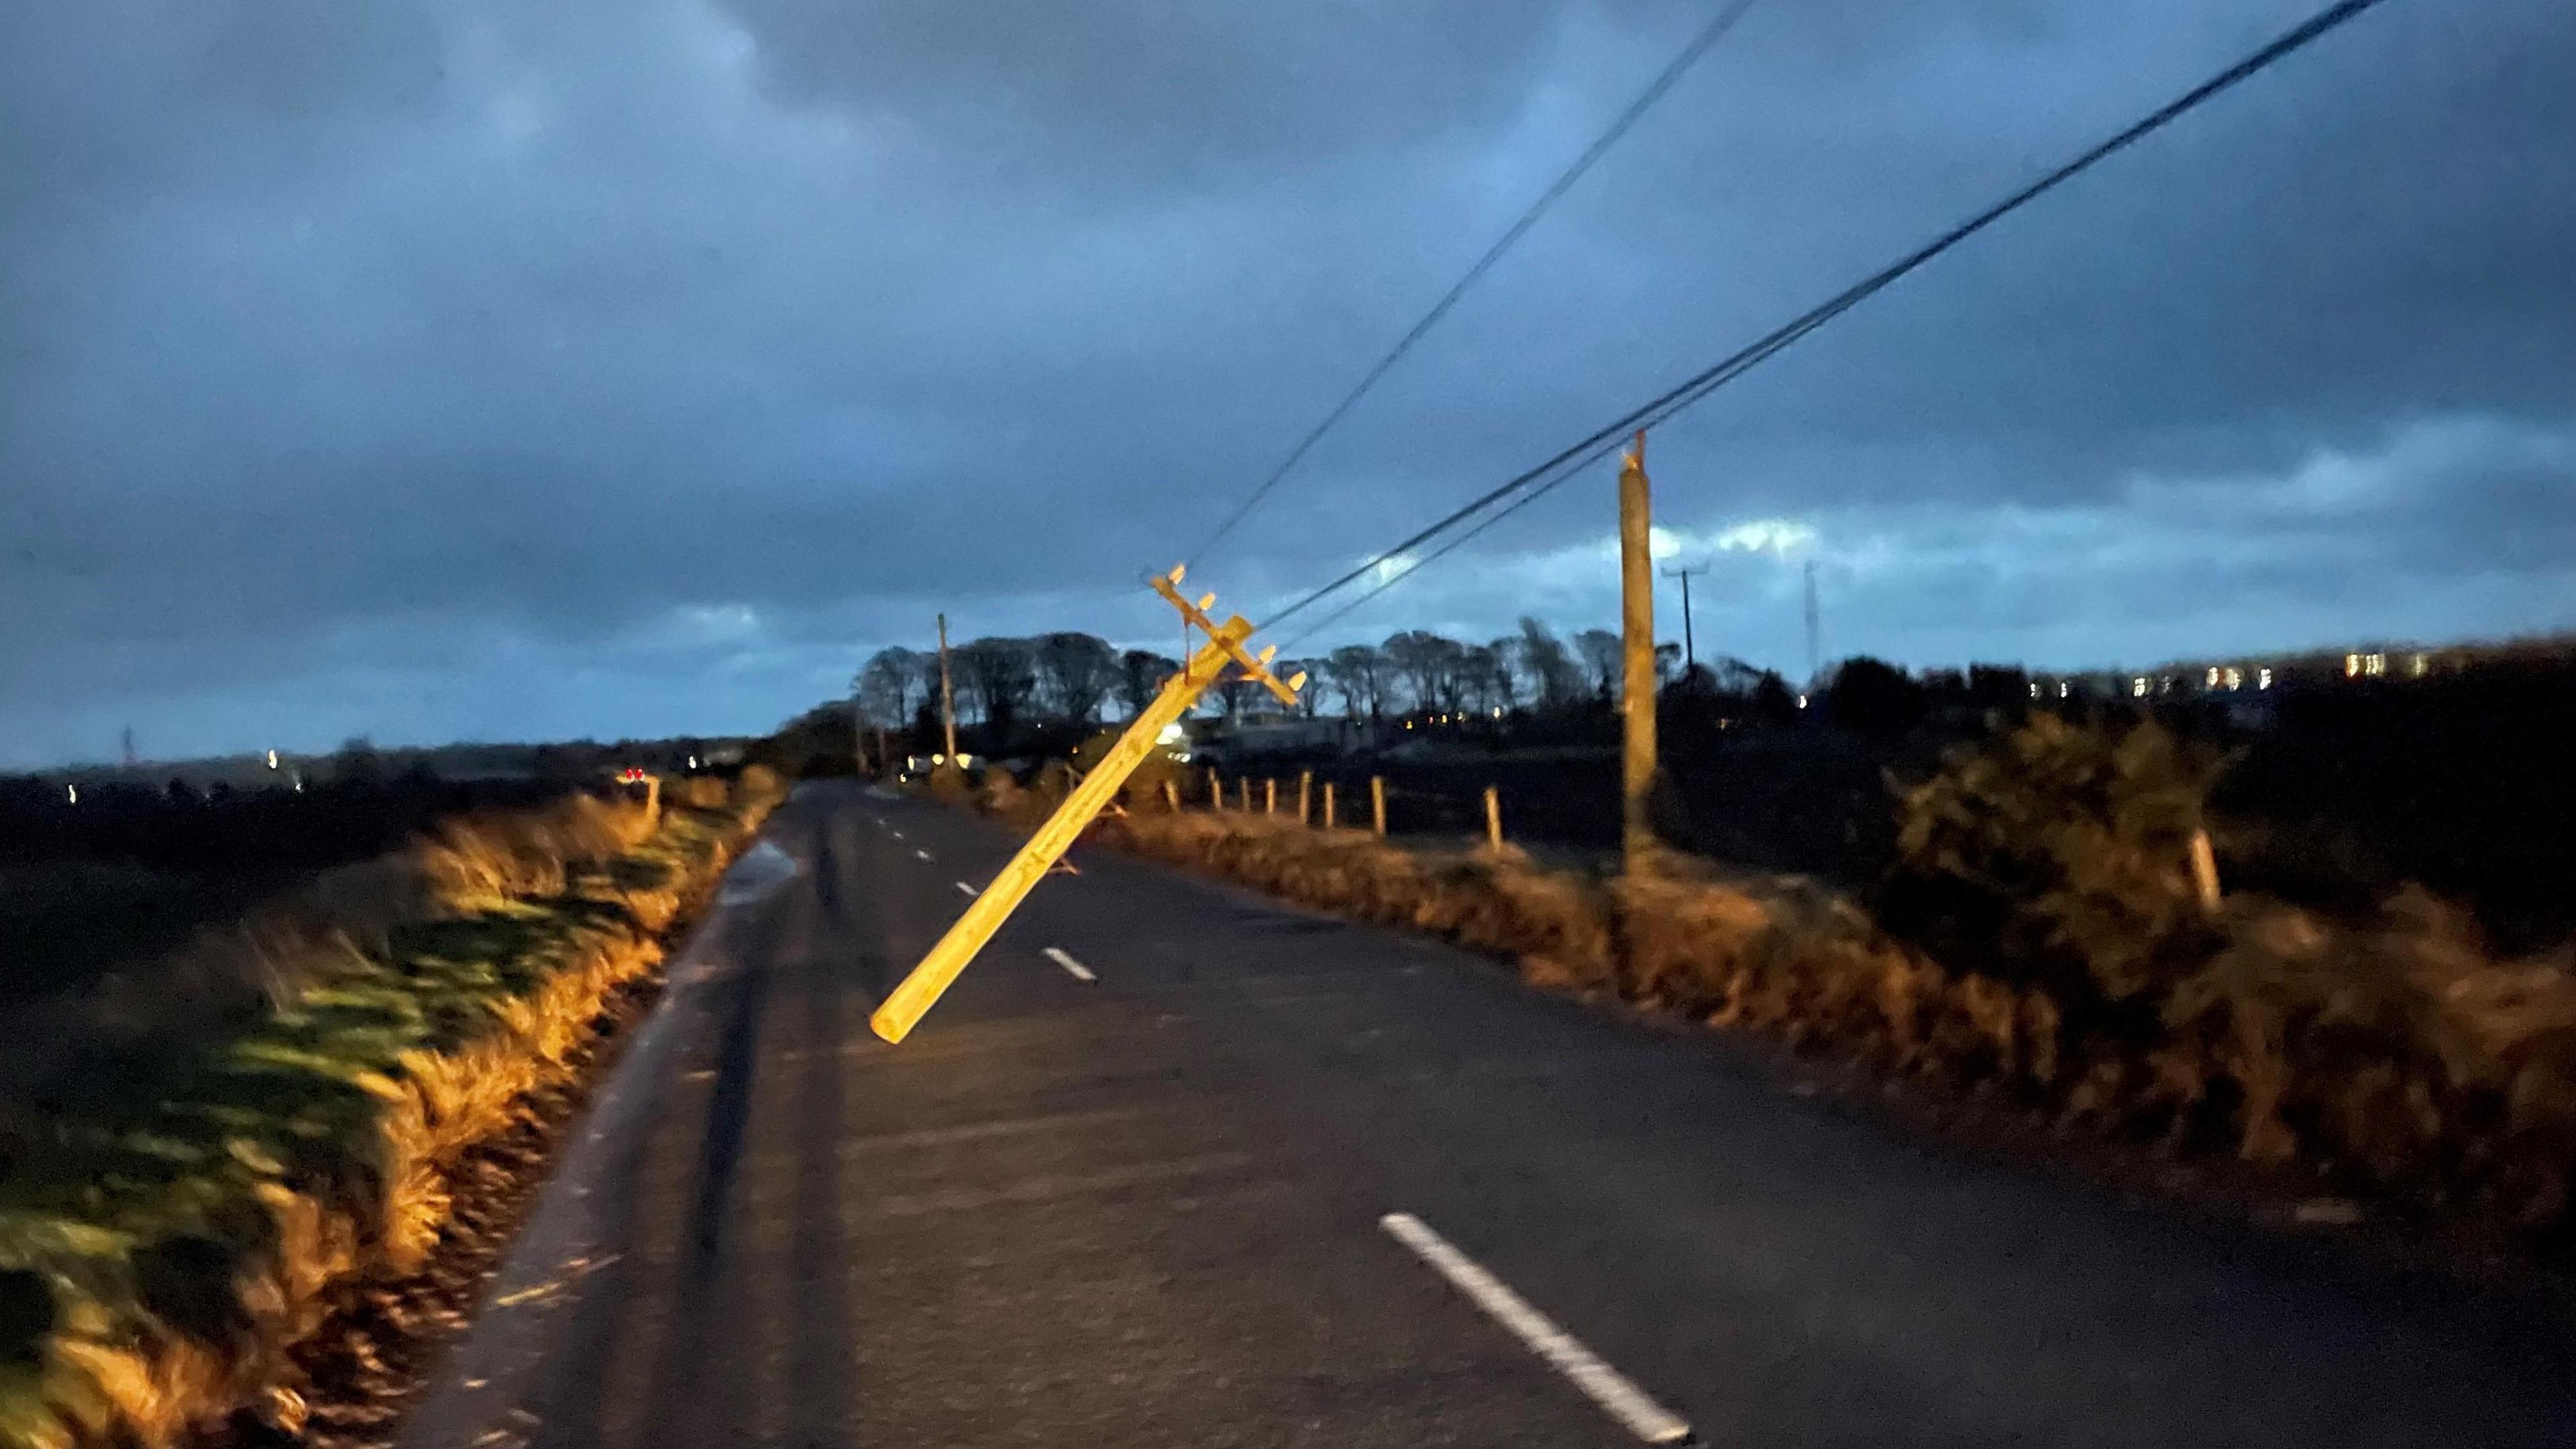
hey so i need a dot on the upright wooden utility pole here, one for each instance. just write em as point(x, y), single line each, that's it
point(1637, 632)
point(947, 697)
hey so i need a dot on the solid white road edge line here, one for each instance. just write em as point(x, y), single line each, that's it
point(963, 886)
point(1605, 1385)
point(1059, 956)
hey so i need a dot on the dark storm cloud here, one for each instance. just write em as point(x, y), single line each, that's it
point(484, 369)
point(1155, 95)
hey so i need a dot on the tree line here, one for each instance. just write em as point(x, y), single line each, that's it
point(1075, 677)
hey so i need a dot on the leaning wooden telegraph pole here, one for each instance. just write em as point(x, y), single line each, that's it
point(947, 697)
point(1637, 637)
point(918, 991)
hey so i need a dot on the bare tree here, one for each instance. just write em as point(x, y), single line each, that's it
point(997, 675)
point(1141, 673)
point(1601, 659)
point(886, 683)
point(1502, 682)
point(1559, 681)
point(1458, 675)
point(1078, 670)
point(1235, 689)
point(1428, 663)
point(1360, 672)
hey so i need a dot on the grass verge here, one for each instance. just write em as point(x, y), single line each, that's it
point(176, 1206)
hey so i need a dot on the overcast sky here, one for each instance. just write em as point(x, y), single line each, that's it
point(505, 371)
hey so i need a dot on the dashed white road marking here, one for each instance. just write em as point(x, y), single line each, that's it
point(1605, 1385)
point(898, 835)
point(1059, 956)
point(925, 855)
point(961, 885)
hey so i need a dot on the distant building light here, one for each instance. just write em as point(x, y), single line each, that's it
point(2374, 664)
point(272, 759)
point(2351, 665)
point(1172, 734)
point(2138, 687)
point(939, 759)
point(2234, 677)
point(2034, 689)
point(2262, 679)
point(2416, 664)
point(2213, 676)
point(75, 793)
point(1498, 709)
point(693, 762)
point(2061, 689)
point(1802, 701)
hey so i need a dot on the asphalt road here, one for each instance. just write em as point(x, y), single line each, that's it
point(1151, 1209)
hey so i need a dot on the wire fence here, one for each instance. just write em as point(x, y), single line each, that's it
point(1350, 801)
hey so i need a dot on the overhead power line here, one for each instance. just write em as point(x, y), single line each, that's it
point(1572, 467)
point(1542, 479)
point(1708, 36)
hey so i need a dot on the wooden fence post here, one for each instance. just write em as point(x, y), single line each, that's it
point(1270, 796)
point(1305, 785)
point(1172, 797)
point(1377, 803)
point(1243, 794)
point(1494, 818)
point(2204, 871)
point(1328, 804)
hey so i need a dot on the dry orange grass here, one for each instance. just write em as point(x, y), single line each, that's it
point(475, 859)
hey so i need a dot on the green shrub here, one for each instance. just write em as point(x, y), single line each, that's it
point(2056, 856)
